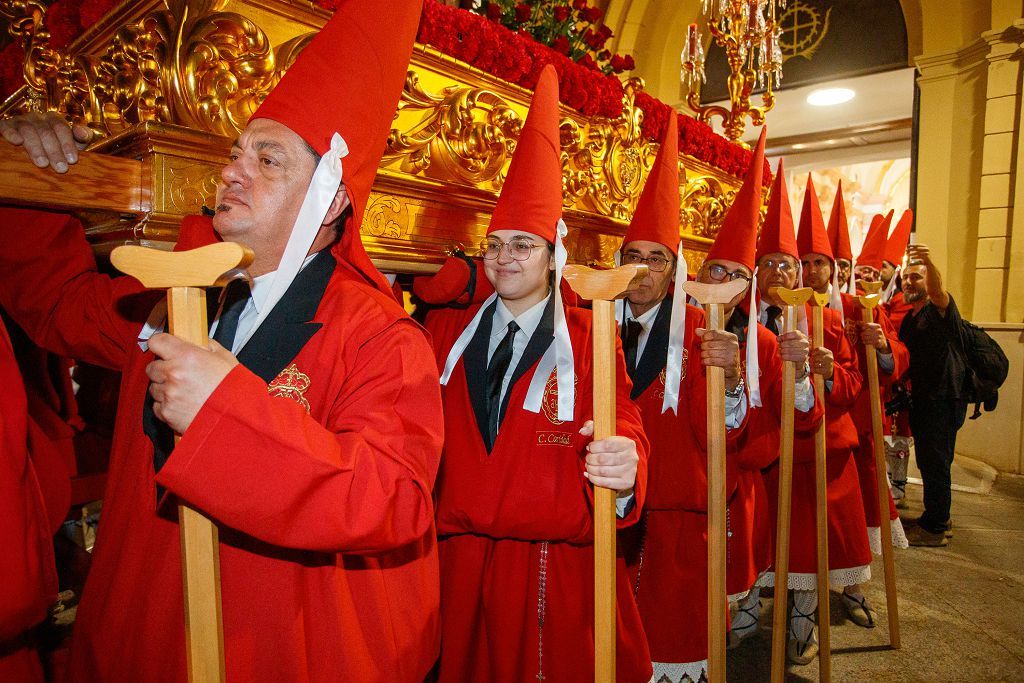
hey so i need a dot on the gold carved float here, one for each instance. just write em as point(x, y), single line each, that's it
point(171, 83)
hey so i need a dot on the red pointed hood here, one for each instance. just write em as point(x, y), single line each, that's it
point(896, 245)
point(873, 251)
point(657, 213)
point(812, 238)
point(348, 80)
point(531, 198)
point(839, 228)
point(778, 234)
point(737, 239)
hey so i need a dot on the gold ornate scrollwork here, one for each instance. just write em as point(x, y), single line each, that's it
point(606, 167)
point(25, 19)
point(129, 78)
point(386, 217)
point(703, 205)
point(465, 133)
point(189, 185)
point(225, 70)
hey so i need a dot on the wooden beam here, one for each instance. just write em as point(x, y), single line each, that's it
point(96, 182)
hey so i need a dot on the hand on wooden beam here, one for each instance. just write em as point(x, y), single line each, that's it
point(47, 138)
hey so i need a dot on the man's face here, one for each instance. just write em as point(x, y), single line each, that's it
point(866, 273)
point(261, 190)
point(654, 286)
point(844, 270)
point(720, 271)
point(817, 272)
point(519, 280)
point(913, 284)
point(888, 270)
point(775, 270)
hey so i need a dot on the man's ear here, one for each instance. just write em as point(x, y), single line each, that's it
point(338, 205)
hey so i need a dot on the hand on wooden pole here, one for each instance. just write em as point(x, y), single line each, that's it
point(185, 275)
point(602, 287)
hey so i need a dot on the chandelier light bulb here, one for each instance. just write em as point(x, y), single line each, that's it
point(829, 97)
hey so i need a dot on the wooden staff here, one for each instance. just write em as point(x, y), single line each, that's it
point(714, 298)
point(602, 287)
point(185, 275)
point(819, 303)
point(867, 304)
point(792, 298)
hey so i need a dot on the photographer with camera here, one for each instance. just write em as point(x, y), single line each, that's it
point(938, 404)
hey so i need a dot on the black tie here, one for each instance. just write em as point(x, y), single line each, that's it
point(772, 323)
point(630, 342)
point(496, 370)
point(236, 295)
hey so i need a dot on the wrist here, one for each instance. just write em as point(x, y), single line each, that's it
point(804, 373)
point(736, 390)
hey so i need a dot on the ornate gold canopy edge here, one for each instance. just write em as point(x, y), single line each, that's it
point(170, 84)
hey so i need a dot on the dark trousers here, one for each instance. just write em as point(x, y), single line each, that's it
point(934, 424)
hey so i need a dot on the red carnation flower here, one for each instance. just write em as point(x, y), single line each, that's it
point(561, 44)
point(494, 12)
point(587, 61)
point(627, 63)
point(561, 13)
point(523, 12)
point(579, 4)
point(593, 14)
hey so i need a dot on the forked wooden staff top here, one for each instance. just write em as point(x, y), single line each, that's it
point(792, 298)
point(820, 302)
point(867, 304)
point(185, 275)
point(713, 298)
point(602, 287)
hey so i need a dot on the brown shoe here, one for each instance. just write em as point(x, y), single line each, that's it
point(917, 536)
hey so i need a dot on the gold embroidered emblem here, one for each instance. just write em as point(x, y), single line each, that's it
point(663, 375)
point(851, 331)
point(291, 383)
point(549, 404)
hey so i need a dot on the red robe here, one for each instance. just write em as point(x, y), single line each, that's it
point(320, 482)
point(864, 454)
point(751, 510)
point(667, 554)
point(515, 526)
point(849, 556)
point(29, 582)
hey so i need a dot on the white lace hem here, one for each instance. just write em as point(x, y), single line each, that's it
point(899, 537)
point(678, 673)
point(850, 576)
point(737, 597)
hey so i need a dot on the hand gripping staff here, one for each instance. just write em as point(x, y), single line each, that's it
point(819, 302)
point(713, 298)
point(602, 287)
point(185, 275)
point(867, 304)
point(792, 298)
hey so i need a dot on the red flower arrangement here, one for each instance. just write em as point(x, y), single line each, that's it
point(480, 39)
point(696, 138)
point(568, 26)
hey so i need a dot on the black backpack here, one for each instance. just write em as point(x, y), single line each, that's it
point(987, 367)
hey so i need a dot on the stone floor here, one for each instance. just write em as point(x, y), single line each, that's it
point(961, 607)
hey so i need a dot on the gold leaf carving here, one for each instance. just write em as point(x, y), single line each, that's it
point(464, 133)
point(386, 217)
point(190, 185)
point(703, 205)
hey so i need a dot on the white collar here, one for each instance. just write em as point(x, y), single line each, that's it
point(260, 289)
point(646, 319)
point(528, 320)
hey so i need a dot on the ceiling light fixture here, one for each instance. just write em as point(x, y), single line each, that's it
point(827, 97)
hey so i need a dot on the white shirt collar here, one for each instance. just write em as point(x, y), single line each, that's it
point(528, 320)
point(646, 319)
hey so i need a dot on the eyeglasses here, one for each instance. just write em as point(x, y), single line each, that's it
point(518, 249)
point(655, 262)
point(781, 265)
point(719, 273)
